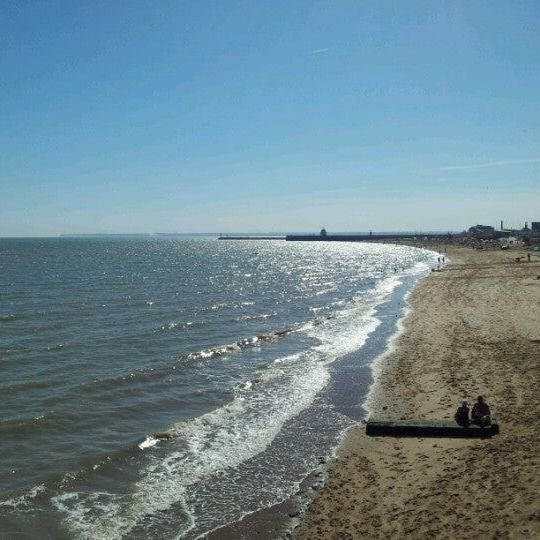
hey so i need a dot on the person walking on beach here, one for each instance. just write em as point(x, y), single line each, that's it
point(481, 414)
point(462, 414)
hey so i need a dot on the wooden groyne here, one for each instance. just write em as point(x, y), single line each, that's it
point(428, 428)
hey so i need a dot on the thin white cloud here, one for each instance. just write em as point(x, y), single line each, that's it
point(319, 51)
point(488, 164)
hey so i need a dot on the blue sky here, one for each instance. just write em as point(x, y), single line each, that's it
point(268, 116)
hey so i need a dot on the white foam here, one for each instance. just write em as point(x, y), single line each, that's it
point(379, 364)
point(147, 443)
point(289, 358)
point(218, 351)
point(219, 306)
point(418, 268)
point(89, 514)
point(244, 386)
point(23, 501)
point(209, 444)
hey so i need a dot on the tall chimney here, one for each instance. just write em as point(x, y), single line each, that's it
point(502, 225)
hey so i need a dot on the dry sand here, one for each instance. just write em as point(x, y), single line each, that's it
point(474, 328)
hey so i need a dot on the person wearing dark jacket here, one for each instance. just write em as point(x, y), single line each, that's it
point(462, 414)
point(481, 414)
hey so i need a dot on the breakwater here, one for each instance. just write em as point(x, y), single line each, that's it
point(344, 237)
point(227, 237)
point(357, 237)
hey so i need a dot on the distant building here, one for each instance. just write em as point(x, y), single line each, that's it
point(482, 231)
point(323, 232)
point(535, 227)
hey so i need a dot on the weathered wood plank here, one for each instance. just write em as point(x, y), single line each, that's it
point(428, 428)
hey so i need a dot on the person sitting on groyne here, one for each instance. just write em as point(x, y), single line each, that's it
point(462, 414)
point(481, 414)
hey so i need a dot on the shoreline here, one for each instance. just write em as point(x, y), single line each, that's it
point(473, 328)
point(278, 520)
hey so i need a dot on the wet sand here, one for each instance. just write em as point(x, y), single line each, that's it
point(474, 328)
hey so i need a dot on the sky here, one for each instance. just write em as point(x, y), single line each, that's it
point(210, 116)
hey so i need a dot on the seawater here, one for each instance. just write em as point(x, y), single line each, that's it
point(252, 358)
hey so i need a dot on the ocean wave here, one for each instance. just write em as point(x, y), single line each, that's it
point(24, 387)
point(217, 351)
point(378, 364)
point(225, 305)
point(249, 385)
point(191, 324)
point(209, 445)
point(418, 268)
point(198, 449)
point(10, 317)
point(288, 358)
point(243, 318)
point(353, 323)
point(233, 348)
point(325, 291)
point(20, 426)
point(23, 501)
point(177, 325)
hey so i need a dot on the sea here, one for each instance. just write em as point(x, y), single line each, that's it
point(167, 387)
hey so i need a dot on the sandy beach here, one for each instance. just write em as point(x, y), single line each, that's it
point(473, 328)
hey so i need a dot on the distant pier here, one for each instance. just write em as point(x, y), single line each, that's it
point(232, 237)
point(374, 237)
point(360, 237)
